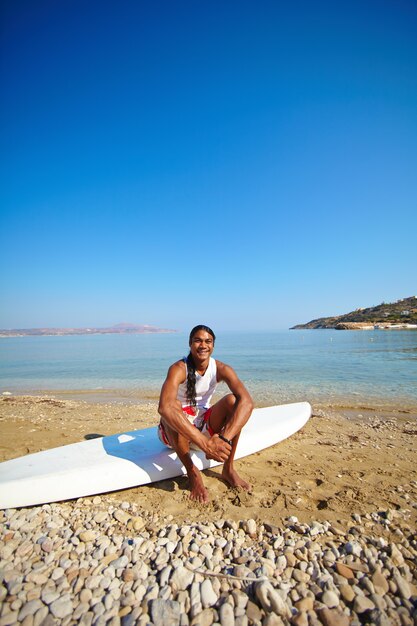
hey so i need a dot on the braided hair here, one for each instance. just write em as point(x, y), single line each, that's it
point(191, 377)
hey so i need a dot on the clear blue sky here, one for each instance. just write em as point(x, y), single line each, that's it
point(241, 164)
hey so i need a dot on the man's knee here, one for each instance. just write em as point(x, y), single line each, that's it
point(178, 442)
point(230, 401)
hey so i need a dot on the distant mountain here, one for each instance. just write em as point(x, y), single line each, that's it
point(400, 314)
point(124, 328)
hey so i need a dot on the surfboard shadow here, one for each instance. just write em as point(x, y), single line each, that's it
point(145, 450)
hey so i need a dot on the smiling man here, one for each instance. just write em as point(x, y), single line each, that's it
point(188, 419)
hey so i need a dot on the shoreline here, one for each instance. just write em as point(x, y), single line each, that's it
point(140, 396)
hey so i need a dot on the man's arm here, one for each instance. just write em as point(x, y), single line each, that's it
point(244, 404)
point(171, 412)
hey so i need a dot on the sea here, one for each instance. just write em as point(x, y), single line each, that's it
point(333, 367)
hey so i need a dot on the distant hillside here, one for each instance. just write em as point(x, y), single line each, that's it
point(402, 313)
point(119, 329)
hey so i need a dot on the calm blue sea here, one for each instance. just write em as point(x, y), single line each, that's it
point(316, 365)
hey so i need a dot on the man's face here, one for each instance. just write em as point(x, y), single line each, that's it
point(201, 345)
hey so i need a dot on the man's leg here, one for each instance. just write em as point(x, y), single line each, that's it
point(182, 447)
point(221, 413)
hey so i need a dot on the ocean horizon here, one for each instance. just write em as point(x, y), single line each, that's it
point(281, 366)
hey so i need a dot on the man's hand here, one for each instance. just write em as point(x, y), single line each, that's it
point(218, 449)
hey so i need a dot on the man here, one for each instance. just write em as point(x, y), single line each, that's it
point(188, 420)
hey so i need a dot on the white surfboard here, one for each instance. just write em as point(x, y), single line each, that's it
point(127, 460)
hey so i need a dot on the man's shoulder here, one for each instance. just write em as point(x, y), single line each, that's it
point(223, 367)
point(178, 368)
point(180, 364)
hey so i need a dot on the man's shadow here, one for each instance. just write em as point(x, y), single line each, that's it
point(154, 461)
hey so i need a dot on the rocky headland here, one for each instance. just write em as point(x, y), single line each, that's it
point(385, 316)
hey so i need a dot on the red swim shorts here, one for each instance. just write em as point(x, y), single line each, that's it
point(200, 421)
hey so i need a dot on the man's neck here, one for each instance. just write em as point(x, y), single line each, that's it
point(201, 365)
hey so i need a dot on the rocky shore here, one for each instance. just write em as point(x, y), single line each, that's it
point(99, 562)
point(401, 314)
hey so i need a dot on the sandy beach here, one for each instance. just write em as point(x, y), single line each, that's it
point(346, 460)
point(348, 477)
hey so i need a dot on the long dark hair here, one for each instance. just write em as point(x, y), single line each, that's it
point(191, 395)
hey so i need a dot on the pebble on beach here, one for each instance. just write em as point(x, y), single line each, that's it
point(84, 563)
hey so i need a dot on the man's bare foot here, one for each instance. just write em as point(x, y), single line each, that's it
point(197, 489)
point(232, 477)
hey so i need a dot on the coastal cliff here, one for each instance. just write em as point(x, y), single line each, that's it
point(395, 315)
